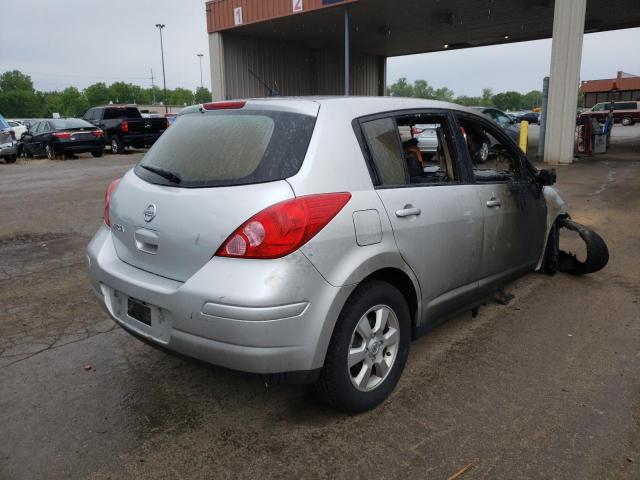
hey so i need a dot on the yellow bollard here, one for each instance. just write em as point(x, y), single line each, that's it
point(524, 135)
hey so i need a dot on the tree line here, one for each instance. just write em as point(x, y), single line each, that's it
point(19, 98)
point(504, 101)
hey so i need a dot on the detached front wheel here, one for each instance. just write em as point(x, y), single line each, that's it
point(368, 348)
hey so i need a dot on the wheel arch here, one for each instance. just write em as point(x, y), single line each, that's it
point(404, 283)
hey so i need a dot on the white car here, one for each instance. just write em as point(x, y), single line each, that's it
point(18, 127)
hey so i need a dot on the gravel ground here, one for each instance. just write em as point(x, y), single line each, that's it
point(546, 387)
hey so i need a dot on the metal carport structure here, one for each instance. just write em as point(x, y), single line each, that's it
point(301, 47)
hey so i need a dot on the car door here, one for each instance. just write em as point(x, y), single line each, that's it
point(44, 136)
point(435, 213)
point(35, 142)
point(514, 208)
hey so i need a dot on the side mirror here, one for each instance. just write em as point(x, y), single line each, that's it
point(546, 177)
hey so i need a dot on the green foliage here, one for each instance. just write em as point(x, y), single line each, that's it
point(508, 100)
point(401, 88)
point(203, 95)
point(97, 94)
point(505, 101)
point(181, 96)
point(15, 80)
point(18, 98)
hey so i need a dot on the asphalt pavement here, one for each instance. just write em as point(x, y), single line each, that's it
point(545, 387)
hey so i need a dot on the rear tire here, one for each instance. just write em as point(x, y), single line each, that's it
point(97, 153)
point(368, 349)
point(117, 147)
point(48, 149)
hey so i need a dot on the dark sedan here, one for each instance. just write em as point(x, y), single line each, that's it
point(69, 136)
point(511, 126)
point(531, 117)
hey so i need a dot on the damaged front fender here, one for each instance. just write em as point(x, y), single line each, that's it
point(566, 262)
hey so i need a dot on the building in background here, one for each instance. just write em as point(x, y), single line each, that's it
point(626, 86)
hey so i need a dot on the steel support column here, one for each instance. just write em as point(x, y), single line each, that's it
point(216, 64)
point(346, 50)
point(566, 56)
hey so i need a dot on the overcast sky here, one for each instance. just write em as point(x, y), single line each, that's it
point(80, 42)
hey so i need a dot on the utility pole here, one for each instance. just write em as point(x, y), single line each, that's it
point(160, 26)
point(153, 89)
point(200, 55)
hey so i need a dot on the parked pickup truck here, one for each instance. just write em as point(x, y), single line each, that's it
point(626, 113)
point(124, 126)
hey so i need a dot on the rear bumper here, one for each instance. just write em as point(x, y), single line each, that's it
point(8, 149)
point(140, 139)
point(256, 316)
point(78, 147)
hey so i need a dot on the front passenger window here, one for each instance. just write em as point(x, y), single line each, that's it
point(494, 159)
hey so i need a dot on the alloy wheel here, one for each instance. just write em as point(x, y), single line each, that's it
point(373, 348)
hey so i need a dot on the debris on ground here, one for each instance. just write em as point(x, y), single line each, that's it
point(460, 472)
point(502, 297)
point(88, 367)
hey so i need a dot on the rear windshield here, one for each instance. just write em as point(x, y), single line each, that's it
point(70, 123)
point(226, 148)
point(111, 113)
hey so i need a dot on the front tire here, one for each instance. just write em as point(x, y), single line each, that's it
point(627, 121)
point(368, 349)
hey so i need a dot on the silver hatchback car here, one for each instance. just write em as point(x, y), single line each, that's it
point(297, 238)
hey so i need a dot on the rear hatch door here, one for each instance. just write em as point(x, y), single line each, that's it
point(208, 174)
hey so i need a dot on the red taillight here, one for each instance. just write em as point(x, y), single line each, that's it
point(107, 201)
point(284, 227)
point(97, 133)
point(62, 135)
point(224, 105)
point(124, 126)
point(166, 123)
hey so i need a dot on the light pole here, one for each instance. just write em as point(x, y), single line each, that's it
point(160, 26)
point(200, 55)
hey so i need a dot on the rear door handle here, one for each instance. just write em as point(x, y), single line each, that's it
point(408, 211)
point(494, 202)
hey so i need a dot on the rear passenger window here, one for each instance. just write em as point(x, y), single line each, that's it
point(414, 149)
point(384, 144)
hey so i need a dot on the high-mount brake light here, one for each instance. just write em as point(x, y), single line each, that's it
point(224, 105)
point(284, 227)
point(107, 201)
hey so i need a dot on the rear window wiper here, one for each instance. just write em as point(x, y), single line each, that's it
point(171, 176)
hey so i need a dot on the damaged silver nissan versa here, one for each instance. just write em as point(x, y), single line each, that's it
point(310, 240)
